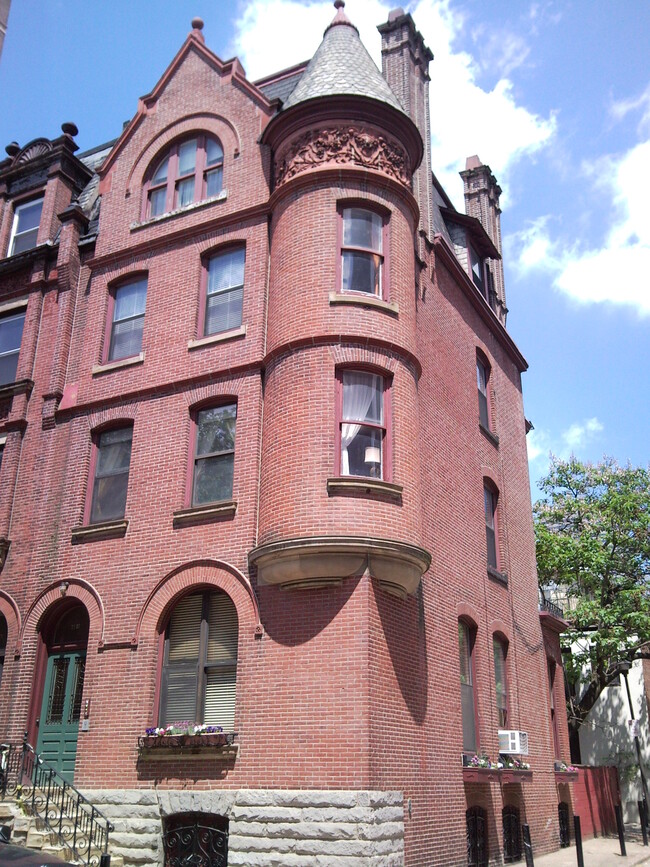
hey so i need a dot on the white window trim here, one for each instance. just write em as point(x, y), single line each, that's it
point(14, 226)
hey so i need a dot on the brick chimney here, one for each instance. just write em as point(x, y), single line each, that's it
point(482, 201)
point(405, 66)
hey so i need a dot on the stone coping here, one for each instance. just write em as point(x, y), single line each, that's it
point(316, 561)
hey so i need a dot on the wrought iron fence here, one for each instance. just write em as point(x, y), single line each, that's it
point(41, 790)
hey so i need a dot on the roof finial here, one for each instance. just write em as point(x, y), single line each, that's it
point(340, 17)
point(197, 27)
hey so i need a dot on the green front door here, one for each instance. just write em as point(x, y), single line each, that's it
point(61, 709)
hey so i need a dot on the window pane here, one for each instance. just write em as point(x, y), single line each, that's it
point(161, 172)
point(361, 451)
point(220, 698)
point(464, 654)
point(126, 339)
point(185, 192)
point(213, 479)
point(214, 153)
point(185, 629)
point(362, 229)
point(224, 311)
point(361, 272)
point(469, 720)
point(130, 300)
point(187, 157)
point(477, 270)
point(180, 696)
point(157, 202)
point(24, 241)
point(226, 270)
point(500, 681)
point(11, 332)
point(111, 475)
point(29, 216)
point(363, 397)
point(213, 182)
point(222, 628)
point(216, 429)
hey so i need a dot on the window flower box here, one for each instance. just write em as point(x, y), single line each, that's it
point(479, 769)
point(180, 739)
point(516, 775)
point(565, 773)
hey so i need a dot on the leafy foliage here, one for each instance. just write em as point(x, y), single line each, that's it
point(593, 553)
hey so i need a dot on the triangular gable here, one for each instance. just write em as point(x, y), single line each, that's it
point(229, 69)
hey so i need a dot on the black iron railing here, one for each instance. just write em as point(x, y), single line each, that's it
point(41, 790)
point(551, 608)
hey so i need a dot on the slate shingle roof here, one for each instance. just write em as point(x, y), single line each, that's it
point(340, 66)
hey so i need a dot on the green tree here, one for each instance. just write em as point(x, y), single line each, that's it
point(593, 547)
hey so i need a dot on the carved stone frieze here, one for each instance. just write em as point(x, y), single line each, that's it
point(342, 145)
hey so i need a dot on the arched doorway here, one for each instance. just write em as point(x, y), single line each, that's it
point(65, 636)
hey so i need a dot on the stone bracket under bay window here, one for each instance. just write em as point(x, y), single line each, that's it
point(318, 561)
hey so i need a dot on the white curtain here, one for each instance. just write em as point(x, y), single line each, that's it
point(359, 392)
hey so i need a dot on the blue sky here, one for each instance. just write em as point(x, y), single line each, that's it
point(554, 96)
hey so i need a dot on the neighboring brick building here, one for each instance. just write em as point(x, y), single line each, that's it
point(264, 467)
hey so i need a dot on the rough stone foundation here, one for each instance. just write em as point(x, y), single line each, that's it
point(268, 828)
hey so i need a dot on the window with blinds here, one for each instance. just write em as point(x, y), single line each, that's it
point(200, 661)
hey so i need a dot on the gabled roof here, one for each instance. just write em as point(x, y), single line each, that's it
point(342, 66)
point(195, 42)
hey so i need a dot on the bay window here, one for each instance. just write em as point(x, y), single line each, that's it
point(362, 425)
point(362, 251)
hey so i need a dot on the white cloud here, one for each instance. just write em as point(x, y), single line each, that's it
point(623, 107)
point(466, 119)
point(617, 271)
point(542, 443)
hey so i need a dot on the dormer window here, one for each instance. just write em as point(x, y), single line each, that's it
point(478, 271)
point(24, 231)
point(191, 171)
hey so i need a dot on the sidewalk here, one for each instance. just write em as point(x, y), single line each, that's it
point(599, 852)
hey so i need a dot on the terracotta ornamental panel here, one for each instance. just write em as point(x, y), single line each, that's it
point(341, 145)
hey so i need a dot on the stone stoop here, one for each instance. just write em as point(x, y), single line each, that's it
point(30, 831)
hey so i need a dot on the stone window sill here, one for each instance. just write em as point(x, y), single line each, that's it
point(20, 386)
point(222, 337)
point(116, 365)
point(361, 299)
point(492, 437)
point(103, 530)
point(203, 514)
point(500, 577)
point(195, 206)
point(349, 486)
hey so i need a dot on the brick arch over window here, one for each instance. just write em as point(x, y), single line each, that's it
point(469, 614)
point(209, 123)
point(200, 573)
point(75, 588)
point(11, 613)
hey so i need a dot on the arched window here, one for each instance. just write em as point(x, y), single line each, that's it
point(200, 661)
point(491, 498)
point(190, 171)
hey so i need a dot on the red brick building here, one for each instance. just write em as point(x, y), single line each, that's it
point(264, 468)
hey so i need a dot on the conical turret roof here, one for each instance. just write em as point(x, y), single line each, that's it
point(342, 66)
